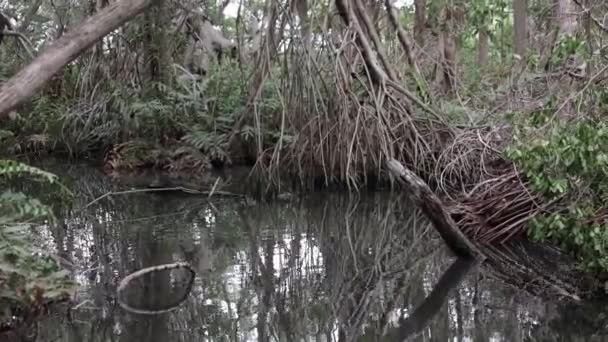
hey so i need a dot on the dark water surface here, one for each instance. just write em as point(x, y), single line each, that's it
point(325, 267)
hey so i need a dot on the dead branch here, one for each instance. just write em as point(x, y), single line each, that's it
point(128, 279)
point(347, 14)
point(434, 209)
point(23, 85)
point(404, 39)
point(172, 189)
point(373, 35)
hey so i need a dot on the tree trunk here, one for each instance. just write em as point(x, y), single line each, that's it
point(302, 8)
point(446, 64)
point(434, 210)
point(520, 26)
point(566, 13)
point(419, 20)
point(483, 47)
point(31, 78)
point(404, 39)
point(157, 43)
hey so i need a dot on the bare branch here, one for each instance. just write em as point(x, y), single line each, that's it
point(432, 207)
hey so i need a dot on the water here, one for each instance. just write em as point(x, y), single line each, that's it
point(325, 267)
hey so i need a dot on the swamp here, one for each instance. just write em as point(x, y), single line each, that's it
point(323, 267)
point(303, 170)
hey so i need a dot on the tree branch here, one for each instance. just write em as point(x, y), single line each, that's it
point(31, 78)
point(432, 207)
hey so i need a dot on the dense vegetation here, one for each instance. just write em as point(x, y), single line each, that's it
point(499, 105)
point(30, 278)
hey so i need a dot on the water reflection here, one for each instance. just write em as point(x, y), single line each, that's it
point(322, 268)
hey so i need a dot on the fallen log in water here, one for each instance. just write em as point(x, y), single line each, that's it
point(434, 209)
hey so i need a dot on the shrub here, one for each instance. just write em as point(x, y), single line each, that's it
point(29, 277)
point(567, 163)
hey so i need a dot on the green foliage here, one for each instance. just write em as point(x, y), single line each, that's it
point(225, 91)
point(200, 113)
point(568, 46)
point(568, 163)
point(574, 229)
point(29, 277)
point(11, 168)
point(486, 14)
point(210, 143)
point(212, 130)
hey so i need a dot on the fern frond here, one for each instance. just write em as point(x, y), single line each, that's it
point(12, 168)
point(17, 207)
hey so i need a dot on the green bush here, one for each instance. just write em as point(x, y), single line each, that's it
point(568, 164)
point(29, 277)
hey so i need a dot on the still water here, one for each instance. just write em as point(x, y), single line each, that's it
point(323, 267)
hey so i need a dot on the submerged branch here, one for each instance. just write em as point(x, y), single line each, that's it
point(178, 188)
point(433, 208)
point(135, 275)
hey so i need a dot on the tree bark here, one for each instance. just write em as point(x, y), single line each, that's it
point(305, 29)
point(404, 39)
point(31, 78)
point(419, 20)
point(432, 207)
point(520, 26)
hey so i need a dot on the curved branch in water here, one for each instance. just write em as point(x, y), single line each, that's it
point(128, 279)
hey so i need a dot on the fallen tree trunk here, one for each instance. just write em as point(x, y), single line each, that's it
point(434, 209)
point(31, 78)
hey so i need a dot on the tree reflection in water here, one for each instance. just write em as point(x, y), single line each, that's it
point(323, 268)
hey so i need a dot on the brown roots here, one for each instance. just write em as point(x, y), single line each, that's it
point(349, 110)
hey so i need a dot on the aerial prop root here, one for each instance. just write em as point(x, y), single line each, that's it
point(158, 268)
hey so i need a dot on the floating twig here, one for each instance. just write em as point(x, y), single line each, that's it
point(179, 188)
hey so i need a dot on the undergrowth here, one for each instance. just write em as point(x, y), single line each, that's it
point(30, 277)
point(567, 162)
point(186, 116)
